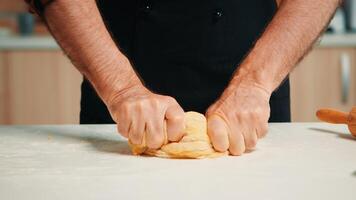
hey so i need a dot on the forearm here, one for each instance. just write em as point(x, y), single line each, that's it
point(80, 31)
point(289, 36)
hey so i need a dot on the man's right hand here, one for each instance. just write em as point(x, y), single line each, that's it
point(137, 111)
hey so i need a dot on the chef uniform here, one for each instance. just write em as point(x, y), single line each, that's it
point(187, 49)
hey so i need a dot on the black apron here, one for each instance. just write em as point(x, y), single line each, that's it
point(187, 49)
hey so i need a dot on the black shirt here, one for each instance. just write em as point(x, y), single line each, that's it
point(187, 49)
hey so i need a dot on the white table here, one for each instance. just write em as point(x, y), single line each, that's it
point(295, 161)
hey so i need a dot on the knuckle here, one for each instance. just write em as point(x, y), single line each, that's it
point(170, 99)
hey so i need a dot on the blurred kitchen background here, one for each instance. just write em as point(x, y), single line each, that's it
point(38, 84)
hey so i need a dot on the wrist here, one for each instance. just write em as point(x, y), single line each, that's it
point(262, 80)
point(257, 74)
point(113, 79)
point(252, 82)
point(252, 85)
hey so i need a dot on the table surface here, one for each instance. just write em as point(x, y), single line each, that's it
point(295, 161)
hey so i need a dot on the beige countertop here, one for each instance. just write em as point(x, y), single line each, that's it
point(295, 161)
point(27, 43)
point(338, 40)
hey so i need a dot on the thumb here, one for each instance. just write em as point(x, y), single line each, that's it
point(218, 132)
point(175, 120)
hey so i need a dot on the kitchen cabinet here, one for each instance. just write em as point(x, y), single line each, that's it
point(2, 90)
point(12, 6)
point(324, 78)
point(43, 87)
point(38, 87)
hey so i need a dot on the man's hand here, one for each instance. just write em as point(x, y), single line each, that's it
point(79, 29)
point(239, 117)
point(137, 111)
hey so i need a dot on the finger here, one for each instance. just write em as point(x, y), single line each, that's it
point(218, 133)
point(123, 125)
point(137, 129)
point(155, 133)
point(262, 130)
point(123, 130)
point(236, 140)
point(250, 138)
point(175, 123)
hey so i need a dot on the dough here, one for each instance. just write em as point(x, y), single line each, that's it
point(194, 144)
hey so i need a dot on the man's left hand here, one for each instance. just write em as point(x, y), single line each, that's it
point(239, 117)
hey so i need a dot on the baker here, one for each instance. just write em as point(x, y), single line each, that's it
point(146, 61)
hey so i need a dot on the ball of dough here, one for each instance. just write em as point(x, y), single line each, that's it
point(194, 144)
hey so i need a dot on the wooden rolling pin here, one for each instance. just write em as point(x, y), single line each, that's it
point(338, 117)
